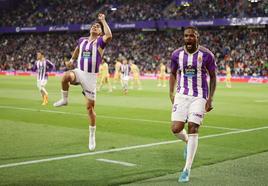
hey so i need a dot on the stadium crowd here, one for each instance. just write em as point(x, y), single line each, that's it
point(218, 9)
point(59, 12)
point(50, 12)
point(244, 49)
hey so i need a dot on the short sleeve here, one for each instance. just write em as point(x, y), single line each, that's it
point(80, 41)
point(211, 63)
point(174, 61)
point(34, 68)
point(101, 42)
point(51, 66)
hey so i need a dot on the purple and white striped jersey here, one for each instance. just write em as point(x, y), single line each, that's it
point(43, 67)
point(125, 70)
point(90, 54)
point(192, 70)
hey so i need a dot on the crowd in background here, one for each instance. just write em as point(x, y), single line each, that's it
point(138, 10)
point(50, 12)
point(245, 50)
point(59, 12)
point(206, 9)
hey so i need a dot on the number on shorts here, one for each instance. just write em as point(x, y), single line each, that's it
point(174, 107)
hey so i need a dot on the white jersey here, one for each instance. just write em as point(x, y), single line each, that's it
point(125, 71)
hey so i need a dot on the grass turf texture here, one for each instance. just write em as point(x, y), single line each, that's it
point(142, 117)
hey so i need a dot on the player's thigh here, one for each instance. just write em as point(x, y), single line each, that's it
point(41, 83)
point(180, 108)
point(75, 76)
point(197, 110)
point(89, 84)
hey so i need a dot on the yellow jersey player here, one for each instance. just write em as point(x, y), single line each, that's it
point(134, 69)
point(228, 77)
point(104, 75)
point(162, 75)
point(117, 73)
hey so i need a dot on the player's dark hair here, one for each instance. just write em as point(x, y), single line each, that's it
point(192, 28)
point(41, 52)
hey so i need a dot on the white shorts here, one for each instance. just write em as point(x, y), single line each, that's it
point(88, 82)
point(188, 108)
point(41, 83)
point(125, 78)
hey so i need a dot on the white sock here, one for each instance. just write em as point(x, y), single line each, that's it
point(92, 130)
point(191, 150)
point(64, 95)
point(182, 135)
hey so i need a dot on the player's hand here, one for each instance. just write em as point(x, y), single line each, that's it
point(101, 17)
point(209, 105)
point(68, 64)
point(171, 96)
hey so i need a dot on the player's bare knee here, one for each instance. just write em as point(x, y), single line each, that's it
point(193, 128)
point(90, 109)
point(176, 128)
point(66, 78)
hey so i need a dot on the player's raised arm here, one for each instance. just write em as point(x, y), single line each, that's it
point(107, 31)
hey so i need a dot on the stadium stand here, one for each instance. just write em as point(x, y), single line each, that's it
point(243, 48)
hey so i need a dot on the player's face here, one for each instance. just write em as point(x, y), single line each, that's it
point(96, 29)
point(190, 39)
point(124, 61)
point(39, 55)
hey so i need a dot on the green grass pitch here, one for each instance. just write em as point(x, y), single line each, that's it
point(233, 145)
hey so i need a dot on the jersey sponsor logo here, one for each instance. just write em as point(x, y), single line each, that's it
point(190, 71)
point(86, 54)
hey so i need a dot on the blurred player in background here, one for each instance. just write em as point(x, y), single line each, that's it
point(125, 72)
point(88, 54)
point(192, 63)
point(228, 76)
point(104, 75)
point(42, 66)
point(117, 73)
point(136, 75)
point(162, 75)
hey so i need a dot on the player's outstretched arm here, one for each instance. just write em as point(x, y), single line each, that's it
point(107, 31)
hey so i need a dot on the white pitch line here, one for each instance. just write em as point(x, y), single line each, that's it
point(102, 116)
point(261, 101)
point(123, 148)
point(117, 162)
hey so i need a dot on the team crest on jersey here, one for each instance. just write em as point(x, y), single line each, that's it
point(199, 59)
